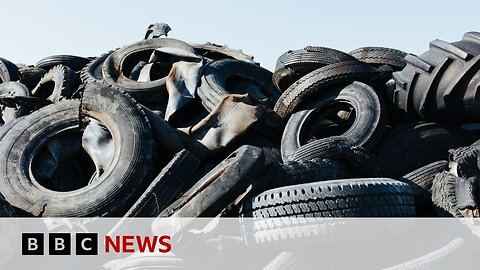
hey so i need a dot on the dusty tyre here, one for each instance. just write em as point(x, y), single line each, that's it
point(76, 63)
point(320, 79)
point(357, 101)
point(117, 68)
point(58, 84)
point(228, 76)
point(294, 64)
point(114, 190)
point(93, 70)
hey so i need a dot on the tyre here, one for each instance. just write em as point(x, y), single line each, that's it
point(31, 76)
point(293, 65)
point(412, 146)
point(232, 176)
point(464, 160)
point(318, 80)
point(117, 68)
point(295, 173)
point(374, 197)
point(113, 192)
point(228, 76)
point(217, 52)
point(455, 196)
point(379, 56)
point(356, 111)
point(76, 63)
point(421, 180)
point(440, 84)
point(93, 70)
point(8, 71)
point(360, 161)
point(58, 84)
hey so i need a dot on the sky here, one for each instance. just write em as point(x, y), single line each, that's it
point(265, 29)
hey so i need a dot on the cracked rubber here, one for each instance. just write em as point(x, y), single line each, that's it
point(320, 79)
point(421, 180)
point(63, 80)
point(115, 190)
point(294, 64)
point(366, 130)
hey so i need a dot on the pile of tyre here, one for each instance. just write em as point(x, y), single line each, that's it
point(164, 128)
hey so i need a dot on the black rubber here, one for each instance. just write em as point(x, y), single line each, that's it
point(421, 180)
point(8, 71)
point(76, 63)
point(214, 52)
point(93, 70)
point(294, 64)
point(30, 76)
point(119, 185)
point(118, 65)
point(320, 79)
point(57, 84)
point(464, 160)
point(379, 56)
point(374, 197)
point(167, 186)
point(440, 84)
point(412, 146)
point(360, 161)
point(228, 76)
point(368, 125)
point(232, 177)
point(455, 196)
point(295, 172)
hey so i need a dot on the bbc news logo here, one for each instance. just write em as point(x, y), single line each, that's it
point(87, 244)
point(59, 244)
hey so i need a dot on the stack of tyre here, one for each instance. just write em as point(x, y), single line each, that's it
point(333, 135)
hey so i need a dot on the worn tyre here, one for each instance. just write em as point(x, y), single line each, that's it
point(369, 124)
point(118, 65)
point(421, 180)
point(316, 81)
point(58, 84)
point(93, 70)
point(294, 64)
point(228, 76)
point(119, 185)
point(232, 177)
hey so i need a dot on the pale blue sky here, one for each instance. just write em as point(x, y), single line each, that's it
point(265, 29)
